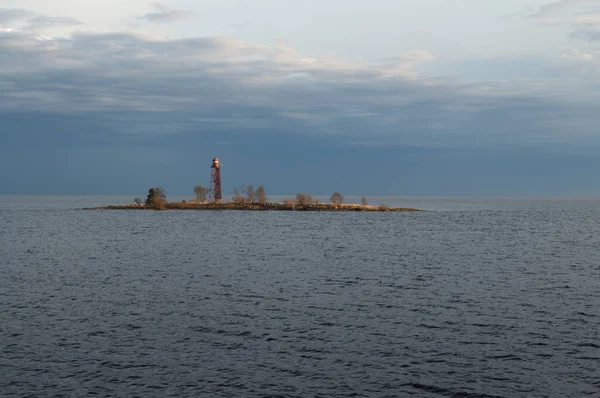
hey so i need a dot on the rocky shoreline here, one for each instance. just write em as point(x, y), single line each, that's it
point(258, 207)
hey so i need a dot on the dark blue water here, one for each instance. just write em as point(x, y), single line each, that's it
point(481, 297)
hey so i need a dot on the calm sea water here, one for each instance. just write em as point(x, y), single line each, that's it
point(477, 298)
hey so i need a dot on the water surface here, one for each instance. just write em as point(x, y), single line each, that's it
point(477, 298)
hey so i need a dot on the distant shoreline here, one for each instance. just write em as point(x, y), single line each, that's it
point(258, 207)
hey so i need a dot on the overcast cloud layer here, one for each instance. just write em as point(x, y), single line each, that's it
point(132, 96)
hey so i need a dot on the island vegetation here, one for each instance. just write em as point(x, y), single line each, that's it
point(248, 198)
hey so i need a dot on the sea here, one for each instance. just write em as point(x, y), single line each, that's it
point(474, 297)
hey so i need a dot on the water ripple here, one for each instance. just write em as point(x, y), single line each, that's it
point(501, 302)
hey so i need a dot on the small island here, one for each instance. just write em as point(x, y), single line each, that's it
point(249, 200)
point(255, 206)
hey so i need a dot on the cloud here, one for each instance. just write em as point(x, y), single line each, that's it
point(141, 86)
point(523, 12)
point(31, 21)
point(551, 10)
point(8, 15)
point(583, 16)
point(45, 22)
point(589, 35)
point(585, 64)
point(586, 19)
point(167, 15)
point(578, 56)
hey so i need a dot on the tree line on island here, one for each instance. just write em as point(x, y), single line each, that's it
point(246, 195)
point(303, 199)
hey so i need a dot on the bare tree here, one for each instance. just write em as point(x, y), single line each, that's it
point(303, 199)
point(237, 197)
point(137, 201)
point(243, 191)
point(363, 201)
point(250, 193)
point(156, 198)
point(201, 193)
point(336, 198)
point(261, 196)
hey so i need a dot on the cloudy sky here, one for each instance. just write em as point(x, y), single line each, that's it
point(379, 97)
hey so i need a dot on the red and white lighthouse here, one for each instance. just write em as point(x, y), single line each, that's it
point(215, 182)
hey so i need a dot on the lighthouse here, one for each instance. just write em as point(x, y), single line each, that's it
point(215, 181)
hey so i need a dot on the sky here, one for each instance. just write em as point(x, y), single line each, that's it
point(379, 97)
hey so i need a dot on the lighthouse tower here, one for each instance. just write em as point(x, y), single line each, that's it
point(215, 182)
